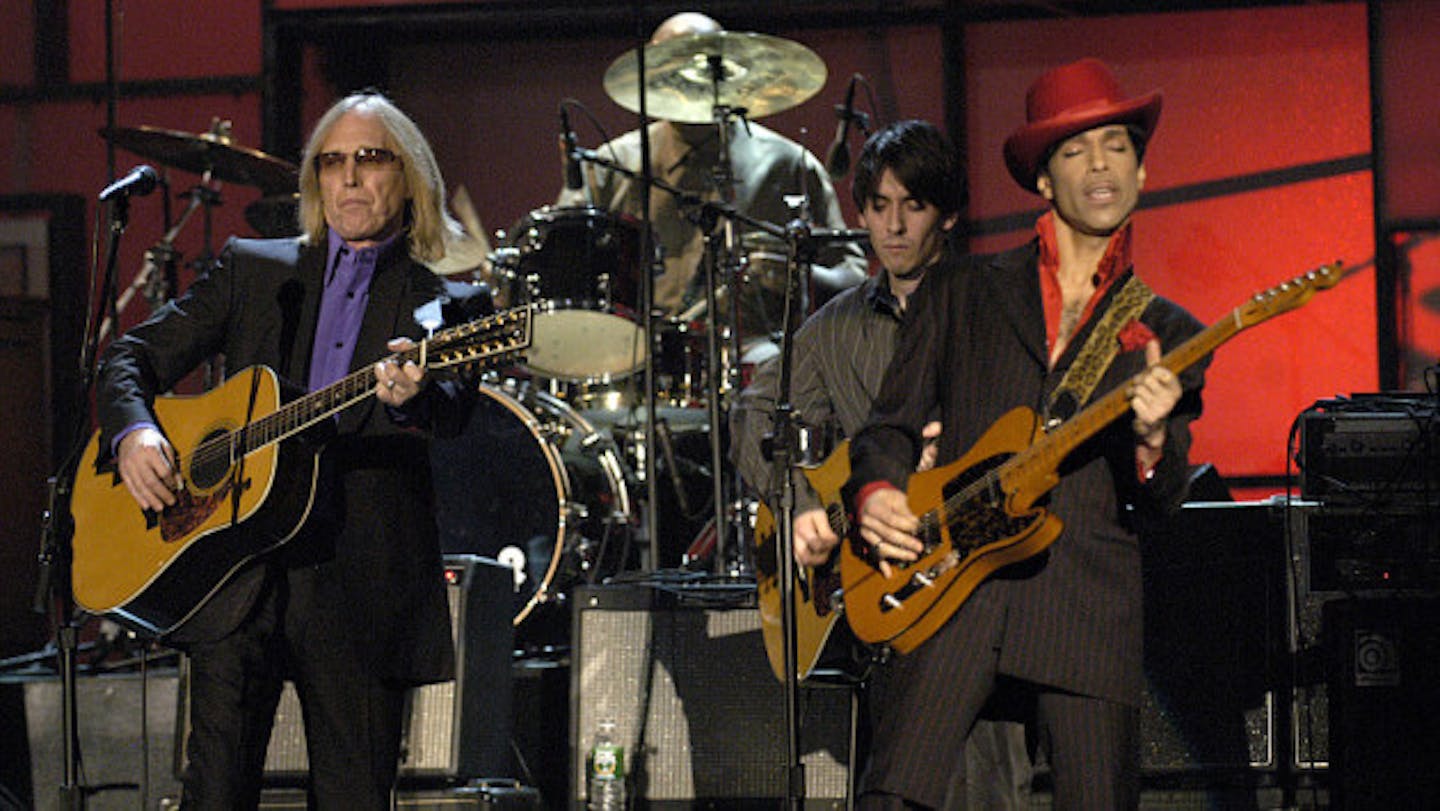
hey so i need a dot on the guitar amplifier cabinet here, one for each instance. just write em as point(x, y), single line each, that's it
point(457, 730)
point(683, 673)
point(1384, 665)
point(1215, 641)
point(1346, 549)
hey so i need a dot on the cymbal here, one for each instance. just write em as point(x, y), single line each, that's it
point(206, 152)
point(761, 73)
point(471, 250)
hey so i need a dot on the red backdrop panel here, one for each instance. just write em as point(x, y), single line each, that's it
point(1408, 64)
point(162, 39)
point(17, 58)
point(1246, 91)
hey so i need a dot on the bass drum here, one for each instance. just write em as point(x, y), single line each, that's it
point(533, 485)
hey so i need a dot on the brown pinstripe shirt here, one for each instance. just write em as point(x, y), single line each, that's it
point(841, 353)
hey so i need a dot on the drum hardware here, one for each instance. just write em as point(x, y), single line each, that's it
point(215, 156)
point(712, 78)
point(275, 215)
point(718, 221)
point(469, 252)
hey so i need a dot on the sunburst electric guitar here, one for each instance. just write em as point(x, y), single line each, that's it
point(816, 591)
point(978, 514)
point(152, 571)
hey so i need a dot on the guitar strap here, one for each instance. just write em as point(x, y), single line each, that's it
point(237, 478)
point(1098, 352)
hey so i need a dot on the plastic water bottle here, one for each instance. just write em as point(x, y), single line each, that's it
point(605, 787)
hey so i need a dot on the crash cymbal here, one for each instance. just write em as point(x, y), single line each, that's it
point(686, 77)
point(470, 251)
point(206, 152)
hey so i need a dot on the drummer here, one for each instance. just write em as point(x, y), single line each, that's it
point(766, 166)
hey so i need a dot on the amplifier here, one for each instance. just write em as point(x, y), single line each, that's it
point(457, 729)
point(1371, 449)
point(682, 671)
point(1348, 549)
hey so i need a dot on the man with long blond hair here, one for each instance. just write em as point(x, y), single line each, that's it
point(352, 608)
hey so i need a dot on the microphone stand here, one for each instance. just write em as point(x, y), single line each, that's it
point(647, 297)
point(722, 259)
point(782, 446)
point(53, 587)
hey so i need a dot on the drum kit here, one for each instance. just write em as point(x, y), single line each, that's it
point(543, 478)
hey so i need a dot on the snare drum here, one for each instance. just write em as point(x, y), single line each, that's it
point(533, 485)
point(580, 267)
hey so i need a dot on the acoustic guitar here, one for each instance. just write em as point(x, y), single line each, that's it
point(243, 466)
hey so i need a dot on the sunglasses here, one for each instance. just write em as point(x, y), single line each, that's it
point(365, 158)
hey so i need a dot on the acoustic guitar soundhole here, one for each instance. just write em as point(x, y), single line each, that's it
point(211, 462)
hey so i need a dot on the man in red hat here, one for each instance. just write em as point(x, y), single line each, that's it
point(1055, 637)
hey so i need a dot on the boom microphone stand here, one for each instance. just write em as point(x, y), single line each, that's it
point(53, 587)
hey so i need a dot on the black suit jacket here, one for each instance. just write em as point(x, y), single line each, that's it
point(974, 344)
point(372, 531)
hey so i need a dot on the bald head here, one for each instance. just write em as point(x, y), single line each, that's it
point(683, 25)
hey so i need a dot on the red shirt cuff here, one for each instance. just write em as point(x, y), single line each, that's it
point(869, 490)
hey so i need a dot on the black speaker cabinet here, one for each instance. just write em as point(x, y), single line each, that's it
point(683, 670)
point(1215, 641)
point(110, 712)
point(1384, 656)
point(458, 730)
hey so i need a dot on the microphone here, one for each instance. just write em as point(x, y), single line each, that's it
point(573, 181)
point(837, 158)
point(140, 182)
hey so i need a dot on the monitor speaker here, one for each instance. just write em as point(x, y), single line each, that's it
point(457, 730)
point(687, 676)
point(111, 713)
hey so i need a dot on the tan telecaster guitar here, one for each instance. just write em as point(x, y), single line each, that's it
point(152, 571)
point(978, 514)
point(815, 593)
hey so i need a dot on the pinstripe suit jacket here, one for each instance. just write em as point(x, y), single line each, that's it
point(974, 344)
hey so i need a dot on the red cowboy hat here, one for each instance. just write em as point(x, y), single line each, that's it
point(1067, 100)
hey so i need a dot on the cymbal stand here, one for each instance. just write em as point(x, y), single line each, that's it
point(723, 266)
point(158, 287)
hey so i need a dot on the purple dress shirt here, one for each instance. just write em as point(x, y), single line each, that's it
point(342, 307)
